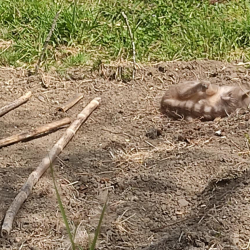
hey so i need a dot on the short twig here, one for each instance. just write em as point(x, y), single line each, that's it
point(47, 41)
point(21, 100)
point(132, 41)
point(33, 133)
point(66, 106)
point(150, 144)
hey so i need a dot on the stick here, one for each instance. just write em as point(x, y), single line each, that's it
point(15, 104)
point(47, 41)
point(71, 103)
point(34, 132)
point(132, 40)
point(44, 165)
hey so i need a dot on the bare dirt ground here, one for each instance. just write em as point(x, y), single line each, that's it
point(171, 184)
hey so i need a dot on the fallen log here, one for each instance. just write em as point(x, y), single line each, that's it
point(44, 165)
point(34, 132)
point(15, 104)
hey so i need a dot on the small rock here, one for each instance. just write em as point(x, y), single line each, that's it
point(236, 238)
point(234, 75)
point(41, 98)
point(242, 70)
point(218, 133)
point(217, 119)
point(17, 239)
point(174, 217)
point(134, 198)
point(163, 207)
point(183, 202)
point(68, 78)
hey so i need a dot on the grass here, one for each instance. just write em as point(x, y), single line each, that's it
point(95, 30)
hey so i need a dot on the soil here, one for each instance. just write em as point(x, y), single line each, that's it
point(171, 184)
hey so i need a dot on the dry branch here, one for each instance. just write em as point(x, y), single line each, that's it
point(15, 104)
point(34, 132)
point(132, 41)
point(71, 103)
point(44, 165)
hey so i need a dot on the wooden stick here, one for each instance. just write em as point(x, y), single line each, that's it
point(71, 103)
point(132, 41)
point(15, 104)
point(34, 132)
point(44, 165)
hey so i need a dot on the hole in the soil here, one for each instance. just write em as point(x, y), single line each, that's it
point(223, 182)
point(213, 74)
point(162, 69)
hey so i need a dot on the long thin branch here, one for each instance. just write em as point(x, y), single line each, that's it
point(34, 132)
point(132, 41)
point(47, 41)
point(21, 100)
point(44, 165)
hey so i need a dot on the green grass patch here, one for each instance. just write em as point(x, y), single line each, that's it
point(162, 29)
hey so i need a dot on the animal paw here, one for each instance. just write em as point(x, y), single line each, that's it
point(204, 86)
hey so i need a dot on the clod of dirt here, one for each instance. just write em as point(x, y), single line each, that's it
point(153, 133)
point(181, 138)
point(76, 76)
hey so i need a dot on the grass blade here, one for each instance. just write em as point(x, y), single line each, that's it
point(92, 247)
point(73, 16)
point(62, 210)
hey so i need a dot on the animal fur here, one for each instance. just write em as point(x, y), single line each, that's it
point(201, 99)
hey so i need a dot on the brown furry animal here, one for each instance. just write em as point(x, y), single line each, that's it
point(201, 99)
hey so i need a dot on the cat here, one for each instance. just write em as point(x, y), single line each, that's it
point(203, 100)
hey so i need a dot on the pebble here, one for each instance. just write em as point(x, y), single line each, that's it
point(183, 202)
point(218, 133)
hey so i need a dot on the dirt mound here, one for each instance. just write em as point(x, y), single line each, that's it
point(172, 184)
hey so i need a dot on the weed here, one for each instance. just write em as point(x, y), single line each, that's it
point(75, 60)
